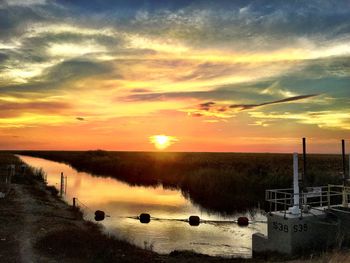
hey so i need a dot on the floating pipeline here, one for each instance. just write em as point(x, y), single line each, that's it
point(242, 222)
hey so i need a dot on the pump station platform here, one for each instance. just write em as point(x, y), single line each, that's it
point(320, 221)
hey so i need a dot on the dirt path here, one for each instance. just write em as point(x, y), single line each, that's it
point(17, 218)
point(10, 226)
point(36, 214)
point(27, 205)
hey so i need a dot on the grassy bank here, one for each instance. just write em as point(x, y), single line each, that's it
point(223, 182)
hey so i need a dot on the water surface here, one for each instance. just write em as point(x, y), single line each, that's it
point(123, 203)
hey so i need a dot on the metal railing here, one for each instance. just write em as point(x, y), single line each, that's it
point(322, 196)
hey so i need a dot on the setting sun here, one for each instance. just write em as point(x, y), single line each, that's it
point(162, 142)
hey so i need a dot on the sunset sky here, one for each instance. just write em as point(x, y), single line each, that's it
point(224, 75)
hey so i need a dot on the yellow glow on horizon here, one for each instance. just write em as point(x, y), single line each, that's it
point(13, 99)
point(29, 119)
point(323, 119)
point(162, 142)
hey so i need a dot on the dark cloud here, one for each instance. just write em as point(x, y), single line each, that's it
point(12, 109)
point(143, 97)
point(17, 57)
point(125, 8)
point(225, 24)
point(140, 90)
point(34, 106)
point(16, 19)
point(235, 93)
point(325, 67)
point(3, 57)
point(80, 118)
point(206, 105)
point(212, 106)
point(196, 114)
point(58, 75)
point(328, 75)
point(265, 25)
point(210, 70)
point(333, 86)
point(252, 91)
point(75, 69)
point(252, 106)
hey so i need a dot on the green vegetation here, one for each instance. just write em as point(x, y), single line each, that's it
point(224, 182)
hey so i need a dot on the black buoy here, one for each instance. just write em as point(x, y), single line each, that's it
point(145, 218)
point(243, 221)
point(99, 215)
point(194, 220)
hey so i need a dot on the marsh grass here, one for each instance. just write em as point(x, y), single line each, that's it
point(219, 182)
point(91, 244)
point(19, 177)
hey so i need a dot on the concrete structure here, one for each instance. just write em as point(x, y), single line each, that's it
point(291, 234)
point(316, 219)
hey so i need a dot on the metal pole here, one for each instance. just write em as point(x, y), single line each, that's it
point(65, 185)
point(344, 163)
point(74, 204)
point(303, 179)
point(329, 197)
point(62, 182)
point(345, 195)
point(285, 205)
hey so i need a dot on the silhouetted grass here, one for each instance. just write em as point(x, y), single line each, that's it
point(90, 244)
point(224, 182)
point(20, 176)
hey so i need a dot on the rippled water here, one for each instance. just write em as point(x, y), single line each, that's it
point(123, 203)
